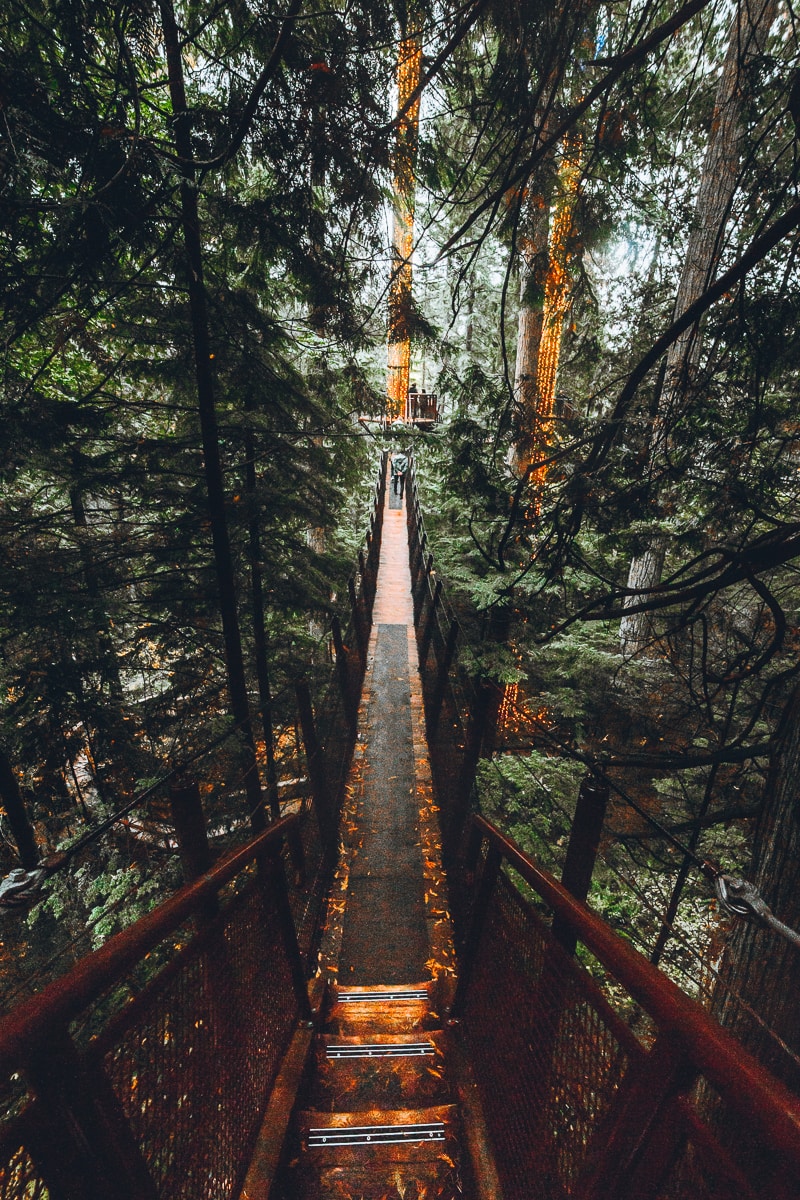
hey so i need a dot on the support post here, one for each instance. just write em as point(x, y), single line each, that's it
point(441, 676)
point(427, 631)
point(189, 821)
point(417, 556)
point(343, 672)
point(358, 628)
point(479, 743)
point(316, 765)
point(277, 877)
point(480, 909)
point(418, 591)
point(584, 840)
point(636, 1153)
point(85, 1147)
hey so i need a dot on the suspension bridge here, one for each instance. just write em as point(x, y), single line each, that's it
point(381, 995)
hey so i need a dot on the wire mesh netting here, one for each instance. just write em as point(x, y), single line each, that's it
point(542, 1039)
point(195, 1062)
point(19, 1176)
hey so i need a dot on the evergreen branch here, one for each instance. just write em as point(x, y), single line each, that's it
point(629, 59)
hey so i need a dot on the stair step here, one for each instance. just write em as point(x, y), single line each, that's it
point(379, 1181)
point(387, 1071)
point(362, 1012)
point(400, 1135)
point(376, 1135)
point(380, 995)
point(353, 1048)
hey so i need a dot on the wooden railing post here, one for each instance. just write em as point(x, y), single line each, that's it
point(84, 1148)
point(315, 758)
point(358, 627)
point(480, 909)
point(276, 876)
point(584, 840)
point(343, 671)
point(479, 743)
point(189, 821)
point(417, 565)
point(427, 630)
point(635, 1152)
point(419, 590)
point(441, 676)
point(190, 828)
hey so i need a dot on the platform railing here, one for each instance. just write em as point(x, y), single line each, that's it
point(578, 1105)
point(144, 1071)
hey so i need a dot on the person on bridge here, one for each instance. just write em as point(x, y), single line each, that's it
point(399, 468)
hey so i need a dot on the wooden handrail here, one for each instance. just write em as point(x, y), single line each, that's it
point(64, 998)
point(745, 1084)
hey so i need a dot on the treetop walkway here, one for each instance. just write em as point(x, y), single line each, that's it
point(381, 995)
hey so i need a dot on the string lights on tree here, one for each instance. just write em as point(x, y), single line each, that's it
point(409, 66)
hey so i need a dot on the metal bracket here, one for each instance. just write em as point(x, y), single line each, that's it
point(21, 887)
point(741, 898)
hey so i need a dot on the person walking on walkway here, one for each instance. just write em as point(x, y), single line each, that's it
point(399, 468)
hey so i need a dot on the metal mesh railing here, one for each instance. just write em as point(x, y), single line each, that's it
point(148, 1067)
point(542, 1038)
point(576, 1104)
point(194, 1059)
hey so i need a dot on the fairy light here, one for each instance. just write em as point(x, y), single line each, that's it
point(409, 67)
point(507, 704)
point(556, 304)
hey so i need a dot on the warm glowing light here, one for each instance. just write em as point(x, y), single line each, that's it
point(556, 303)
point(409, 66)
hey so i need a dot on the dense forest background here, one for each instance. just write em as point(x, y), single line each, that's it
point(195, 257)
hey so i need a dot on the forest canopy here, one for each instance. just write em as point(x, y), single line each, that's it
point(602, 206)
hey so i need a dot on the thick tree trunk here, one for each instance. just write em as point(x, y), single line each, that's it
point(534, 239)
point(215, 491)
point(409, 68)
point(259, 625)
point(718, 181)
point(761, 966)
point(18, 822)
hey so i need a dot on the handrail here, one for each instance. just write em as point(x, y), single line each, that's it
point(747, 1086)
point(64, 998)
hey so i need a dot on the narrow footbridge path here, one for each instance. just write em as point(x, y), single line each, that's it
point(379, 1114)
point(379, 996)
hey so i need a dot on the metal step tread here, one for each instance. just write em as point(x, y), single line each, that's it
point(393, 1049)
point(381, 995)
point(376, 1135)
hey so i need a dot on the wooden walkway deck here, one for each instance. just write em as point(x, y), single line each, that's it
point(382, 1114)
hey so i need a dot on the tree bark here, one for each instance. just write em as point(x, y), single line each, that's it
point(534, 239)
point(409, 70)
point(760, 965)
point(19, 824)
point(259, 625)
point(203, 357)
point(718, 181)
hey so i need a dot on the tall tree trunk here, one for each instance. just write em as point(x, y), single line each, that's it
point(259, 626)
point(544, 301)
point(718, 181)
point(759, 965)
point(18, 821)
point(203, 357)
point(409, 66)
point(533, 251)
point(114, 742)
